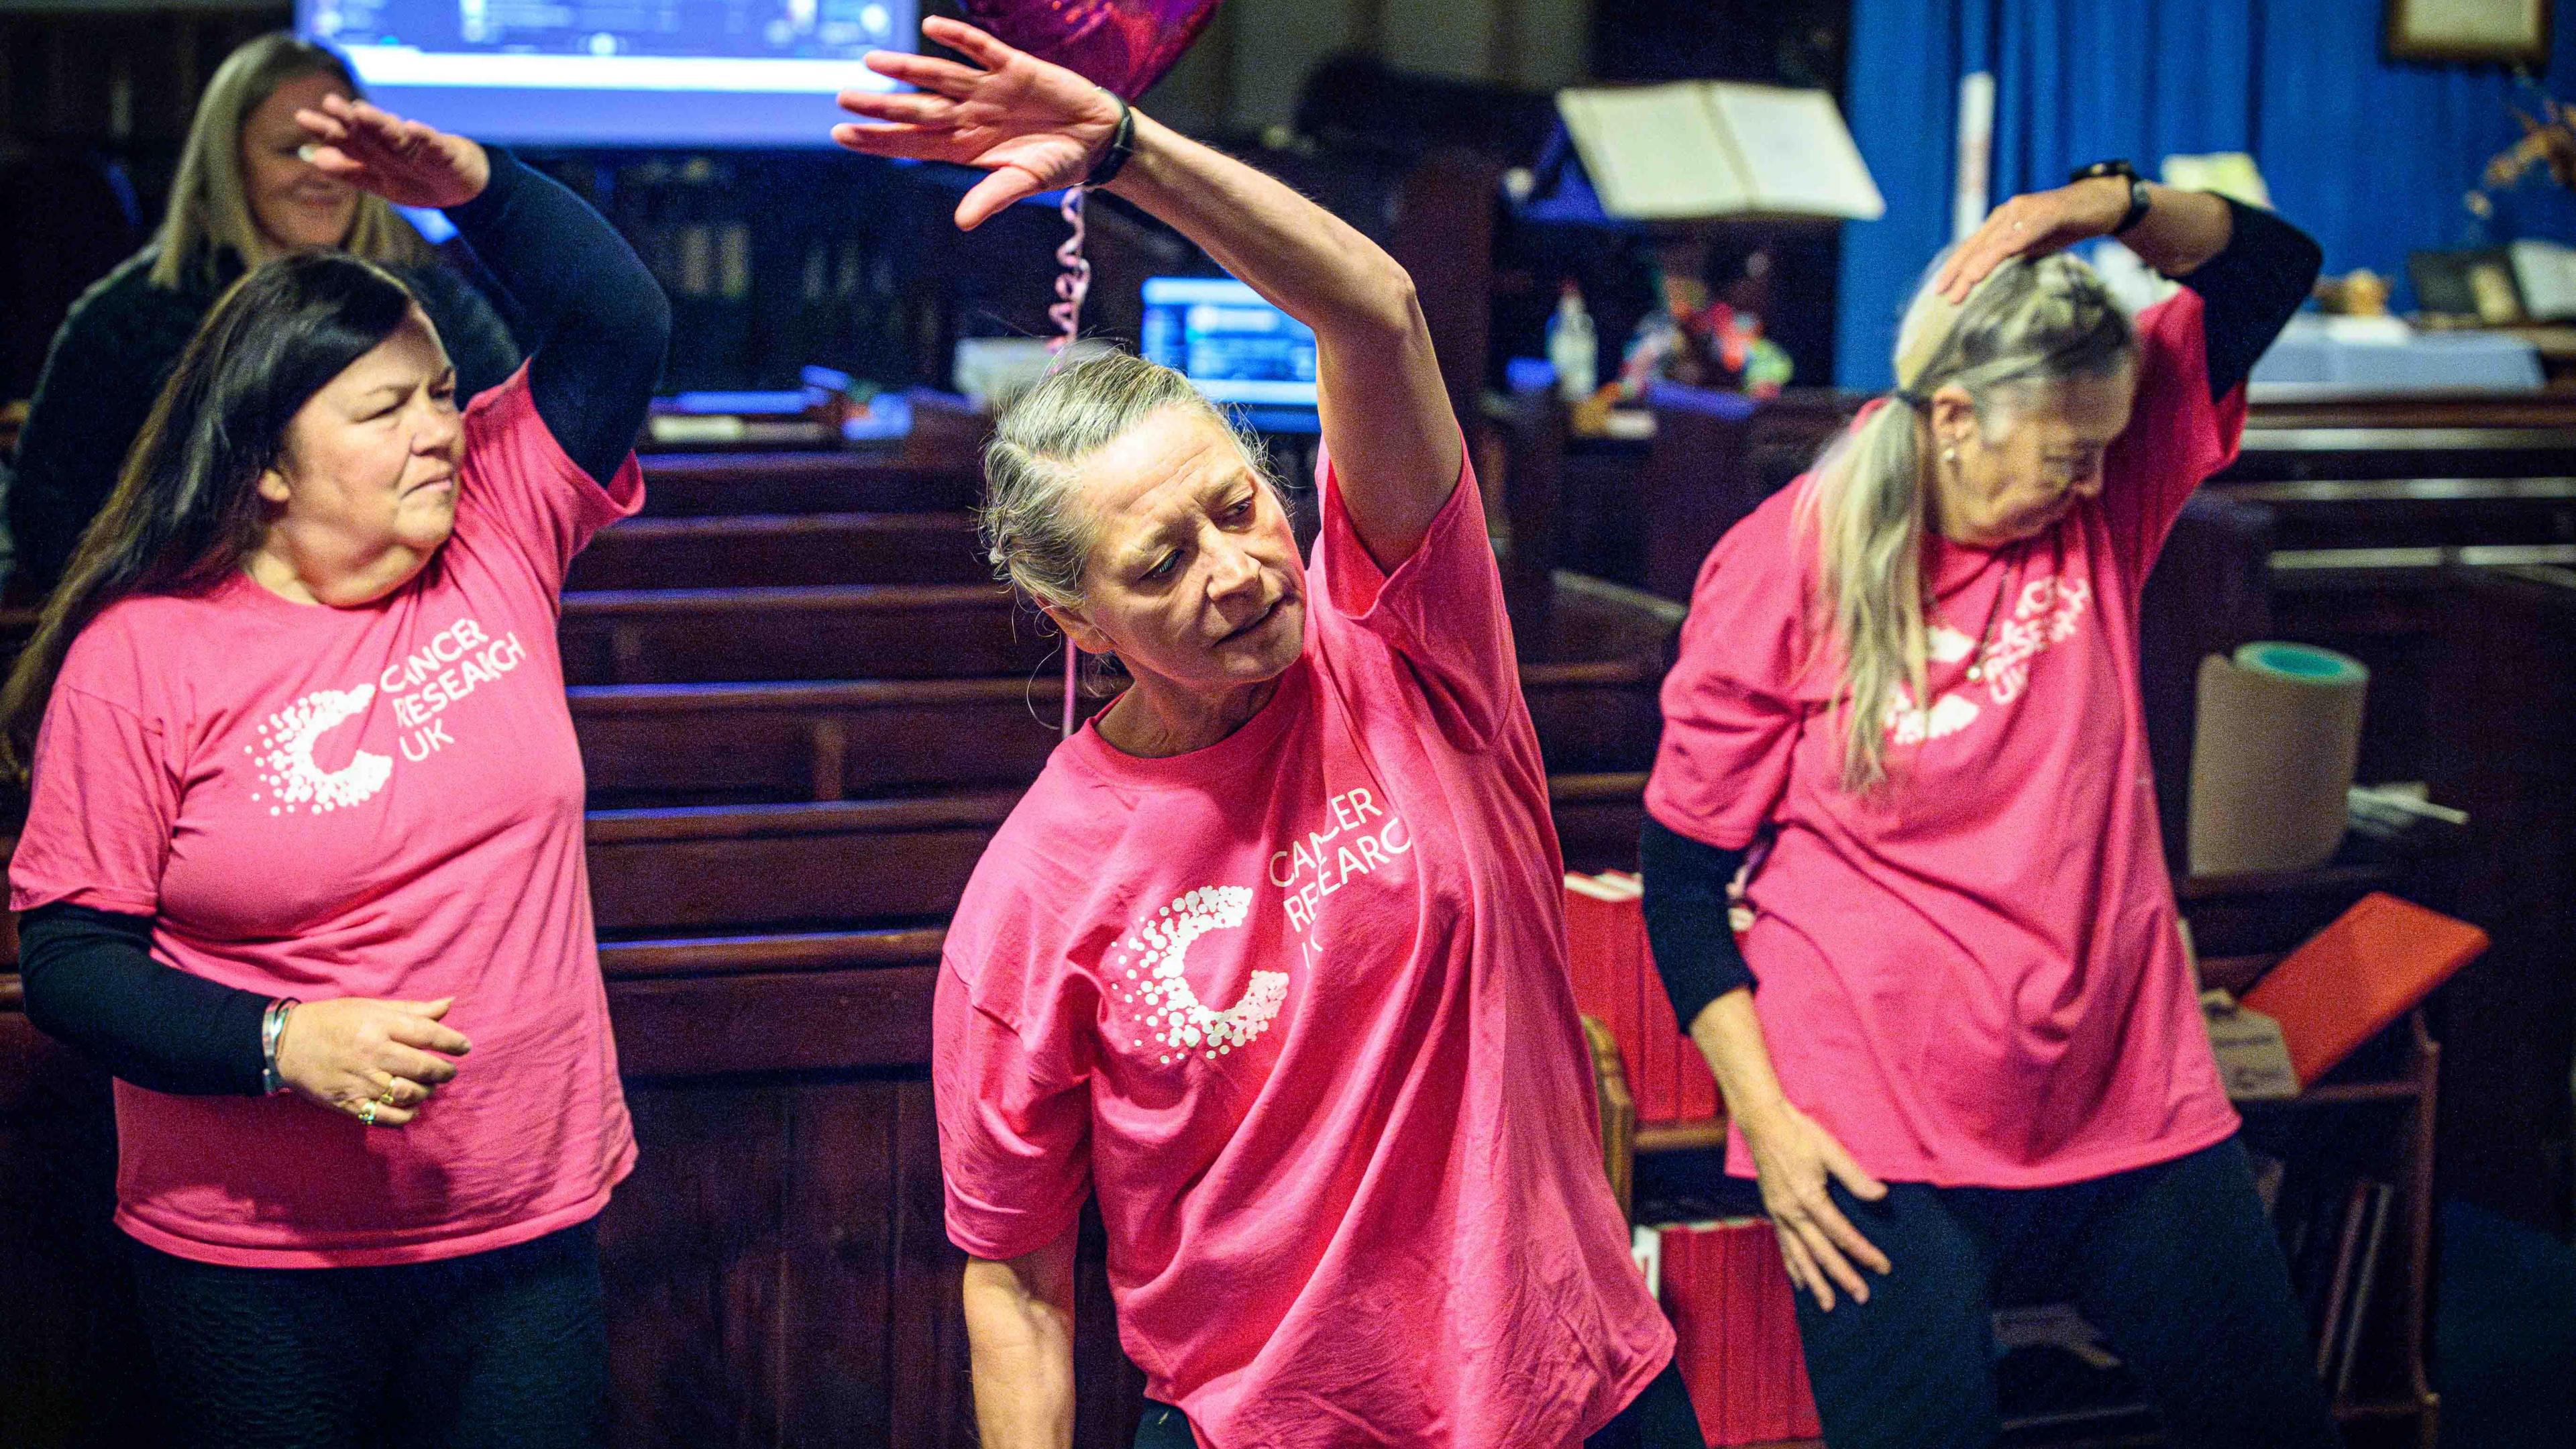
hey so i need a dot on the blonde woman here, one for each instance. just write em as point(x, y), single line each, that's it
point(1911, 680)
point(244, 193)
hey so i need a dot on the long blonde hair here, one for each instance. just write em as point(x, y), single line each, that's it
point(210, 209)
point(2030, 324)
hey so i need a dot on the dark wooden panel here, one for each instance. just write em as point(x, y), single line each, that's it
point(795, 1021)
point(691, 1252)
point(2504, 682)
point(928, 1376)
point(846, 1215)
point(1593, 718)
point(813, 741)
point(73, 1366)
point(2413, 512)
point(777, 549)
point(688, 485)
point(786, 951)
point(895, 632)
point(2369, 447)
point(1597, 819)
point(682, 870)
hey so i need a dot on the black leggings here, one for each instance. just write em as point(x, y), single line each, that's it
point(505, 1347)
point(1660, 1417)
point(2175, 1263)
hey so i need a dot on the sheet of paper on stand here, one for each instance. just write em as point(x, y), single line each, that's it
point(1698, 149)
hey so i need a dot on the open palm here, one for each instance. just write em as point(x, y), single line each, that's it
point(405, 162)
point(1034, 126)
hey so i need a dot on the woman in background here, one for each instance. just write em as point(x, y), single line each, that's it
point(1911, 678)
point(244, 193)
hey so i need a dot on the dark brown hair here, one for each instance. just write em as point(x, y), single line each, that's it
point(187, 509)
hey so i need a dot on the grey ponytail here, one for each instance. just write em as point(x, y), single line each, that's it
point(2030, 324)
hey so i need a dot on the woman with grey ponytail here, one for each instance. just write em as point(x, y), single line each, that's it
point(1908, 694)
point(1271, 960)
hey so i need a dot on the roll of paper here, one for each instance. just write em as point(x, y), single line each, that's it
point(2279, 733)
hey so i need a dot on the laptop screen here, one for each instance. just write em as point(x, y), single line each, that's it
point(1222, 336)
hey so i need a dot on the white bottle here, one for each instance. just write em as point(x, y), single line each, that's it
point(1571, 349)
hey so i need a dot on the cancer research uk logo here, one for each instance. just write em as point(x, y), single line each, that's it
point(1148, 969)
point(456, 661)
point(2045, 613)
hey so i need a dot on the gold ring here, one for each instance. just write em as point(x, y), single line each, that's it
point(388, 1097)
point(367, 1114)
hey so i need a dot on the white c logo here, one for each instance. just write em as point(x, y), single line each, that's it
point(292, 734)
point(1187, 1024)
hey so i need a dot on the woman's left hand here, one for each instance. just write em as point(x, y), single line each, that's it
point(2033, 225)
point(405, 162)
point(1033, 125)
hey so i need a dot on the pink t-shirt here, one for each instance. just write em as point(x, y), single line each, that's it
point(383, 801)
point(1974, 977)
point(1296, 1006)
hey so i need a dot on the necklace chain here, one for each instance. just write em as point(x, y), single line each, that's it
point(1994, 611)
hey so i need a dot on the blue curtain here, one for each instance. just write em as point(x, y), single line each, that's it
point(2370, 157)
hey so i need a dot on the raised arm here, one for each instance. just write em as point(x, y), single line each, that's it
point(2251, 268)
point(603, 322)
point(1034, 126)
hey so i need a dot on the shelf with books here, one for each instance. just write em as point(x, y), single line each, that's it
point(2353, 1196)
point(2338, 1136)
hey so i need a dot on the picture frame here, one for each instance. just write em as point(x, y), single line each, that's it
point(2472, 32)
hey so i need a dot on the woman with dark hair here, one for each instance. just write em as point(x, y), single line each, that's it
point(1960, 1039)
point(244, 193)
point(307, 822)
point(1271, 959)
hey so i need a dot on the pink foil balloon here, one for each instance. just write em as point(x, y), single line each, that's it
point(1124, 45)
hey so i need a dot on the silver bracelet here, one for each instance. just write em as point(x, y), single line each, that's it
point(272, 1025)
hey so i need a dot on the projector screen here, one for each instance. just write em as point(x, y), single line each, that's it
point(616, 72)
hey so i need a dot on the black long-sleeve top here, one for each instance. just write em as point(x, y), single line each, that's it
point(2248, 293)
point(89, 975)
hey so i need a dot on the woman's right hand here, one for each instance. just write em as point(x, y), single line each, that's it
point(1794, 1158)
point(348, 1053)
point(1032, 124)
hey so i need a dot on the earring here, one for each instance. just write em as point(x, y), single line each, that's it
point(1949, 455)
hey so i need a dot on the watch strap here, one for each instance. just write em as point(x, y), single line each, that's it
point(1122, 144)
point(2139, 200)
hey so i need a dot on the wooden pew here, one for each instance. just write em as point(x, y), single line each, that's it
point(2413, 512)
point(786, 866)
point(679, 743)
point(894, 631)
point(705, 744)
point(1598, 818)
point(782, 548)
point(2294, 433)
point(699, 485)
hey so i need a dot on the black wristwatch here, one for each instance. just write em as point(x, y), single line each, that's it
point(2138, 200)
point(1122, 144)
